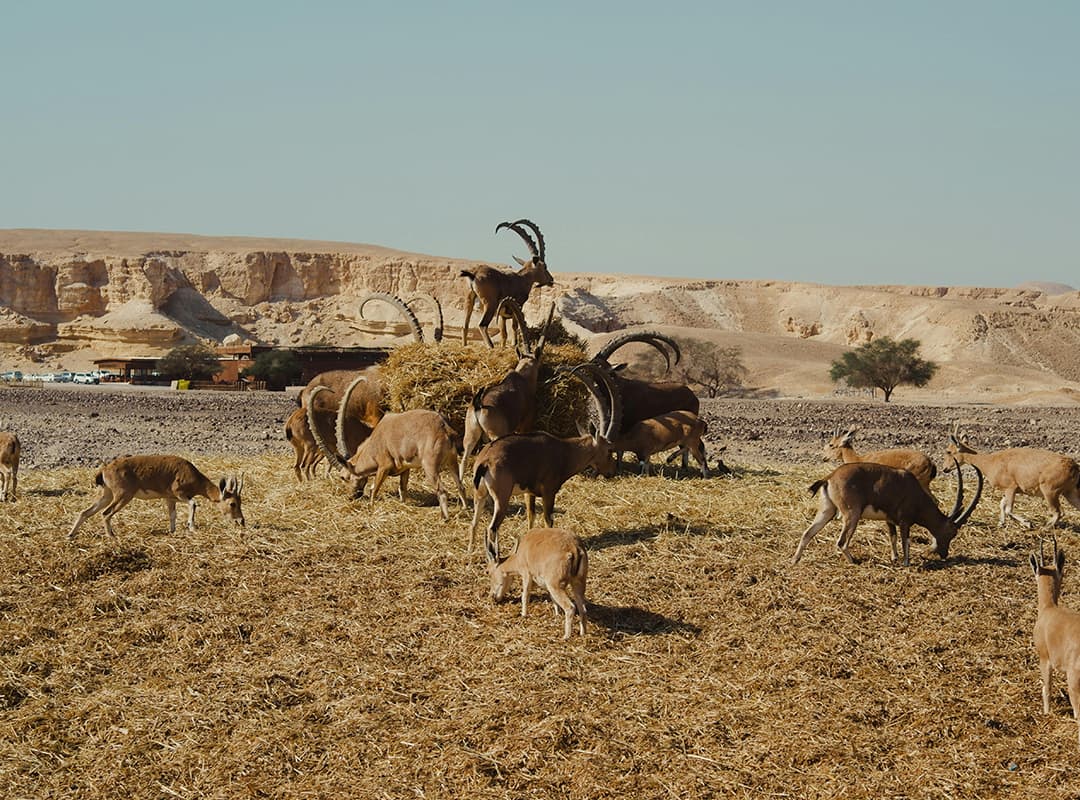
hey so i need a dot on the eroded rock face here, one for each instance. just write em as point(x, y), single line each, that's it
point(148, 292)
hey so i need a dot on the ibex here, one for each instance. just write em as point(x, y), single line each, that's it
point(417, 439)
point(510, 405)
point(491, 285)
point(9, 465)
point(298, 434)
point(406, 312)
point(875, 491)
point(1057, 631)
point(539, 464)
point(168, 478)
point(1022, 470)
point(556, 560)
point(682, 429)
point(642, 399)
point(842, 448)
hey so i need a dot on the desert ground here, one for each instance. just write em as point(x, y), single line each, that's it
point(337, 649)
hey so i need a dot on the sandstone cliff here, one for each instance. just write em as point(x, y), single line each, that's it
point(70, 295)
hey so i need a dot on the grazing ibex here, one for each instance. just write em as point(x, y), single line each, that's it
point(417, 439)
point(539, 464)
point(9, 465)
point(510, 405)
point(556, 560)
point(168, 478)
point(1057, 631)
point(875, 491)
point(491, 285)
point(842, 448)
point(1022, 470)
point(298, 434)
point(682, 429)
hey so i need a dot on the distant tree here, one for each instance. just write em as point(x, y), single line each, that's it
point(279, 368)
point(705, 367)
point(884, 364)
point(193, 362)
point(711, 369)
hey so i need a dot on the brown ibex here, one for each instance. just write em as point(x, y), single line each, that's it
point(556, 560)
point(491, 285)
point(417, 439)
point(1057, 631)
point(1022, 470)
point(642, 399)
point(510, 405)
point(9, 464)
point(842, 448)
point(298, 434)
point(168, 478)
point(875, 491)
point(682, 429)
point(539, 464)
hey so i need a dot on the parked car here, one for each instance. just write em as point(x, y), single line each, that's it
point(63, 376)
point(13, 375)
point(104, 374)
point(86, 377)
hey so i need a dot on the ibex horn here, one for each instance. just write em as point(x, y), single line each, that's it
point(329, 452)
point(967, 512)
point(437, 334)
point(513, 226)
point(399, 304)
point(650, 338)
point(613, 409)
point(539, 236)
point(543, 333)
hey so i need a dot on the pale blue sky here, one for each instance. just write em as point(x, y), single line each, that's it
point(837, 142)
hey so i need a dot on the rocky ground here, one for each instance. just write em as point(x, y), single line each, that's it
point(70, 426)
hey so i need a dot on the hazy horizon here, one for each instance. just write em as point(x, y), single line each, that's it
point(837, 143)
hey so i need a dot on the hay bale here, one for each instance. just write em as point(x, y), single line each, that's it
point(445, 377)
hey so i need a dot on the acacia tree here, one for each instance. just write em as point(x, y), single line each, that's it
point(193, 362)
point(884, 364)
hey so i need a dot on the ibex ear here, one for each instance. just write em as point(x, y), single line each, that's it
point(519, 261)
point(1034, 562)
point(222, 484)
point(1061, 562)
point(240, 483)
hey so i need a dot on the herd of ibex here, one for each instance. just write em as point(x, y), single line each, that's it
point(344, 418)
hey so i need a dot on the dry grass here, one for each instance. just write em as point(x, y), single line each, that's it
point(334, 651)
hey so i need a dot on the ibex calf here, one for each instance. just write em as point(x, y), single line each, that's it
point(1022, 470)
point(155, 477)
point(842, 448)
point(682, 429)
point(875, 491)
point(9, 464)
point(298, 434)
point(1057, 631)
point(556, 560)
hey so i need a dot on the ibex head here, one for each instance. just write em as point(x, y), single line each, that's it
point(537, 262)
point(1055, 569)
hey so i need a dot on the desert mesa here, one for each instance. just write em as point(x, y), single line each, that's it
point(67, 297)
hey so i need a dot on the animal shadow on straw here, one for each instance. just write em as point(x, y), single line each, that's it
point(672, 524)
point(55, 492)
point(634, 620)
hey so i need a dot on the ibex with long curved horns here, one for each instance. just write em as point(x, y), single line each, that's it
point(491, 285)
point(539, 464)
point(875, 491)
point(642, 400)
point(508, 406)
